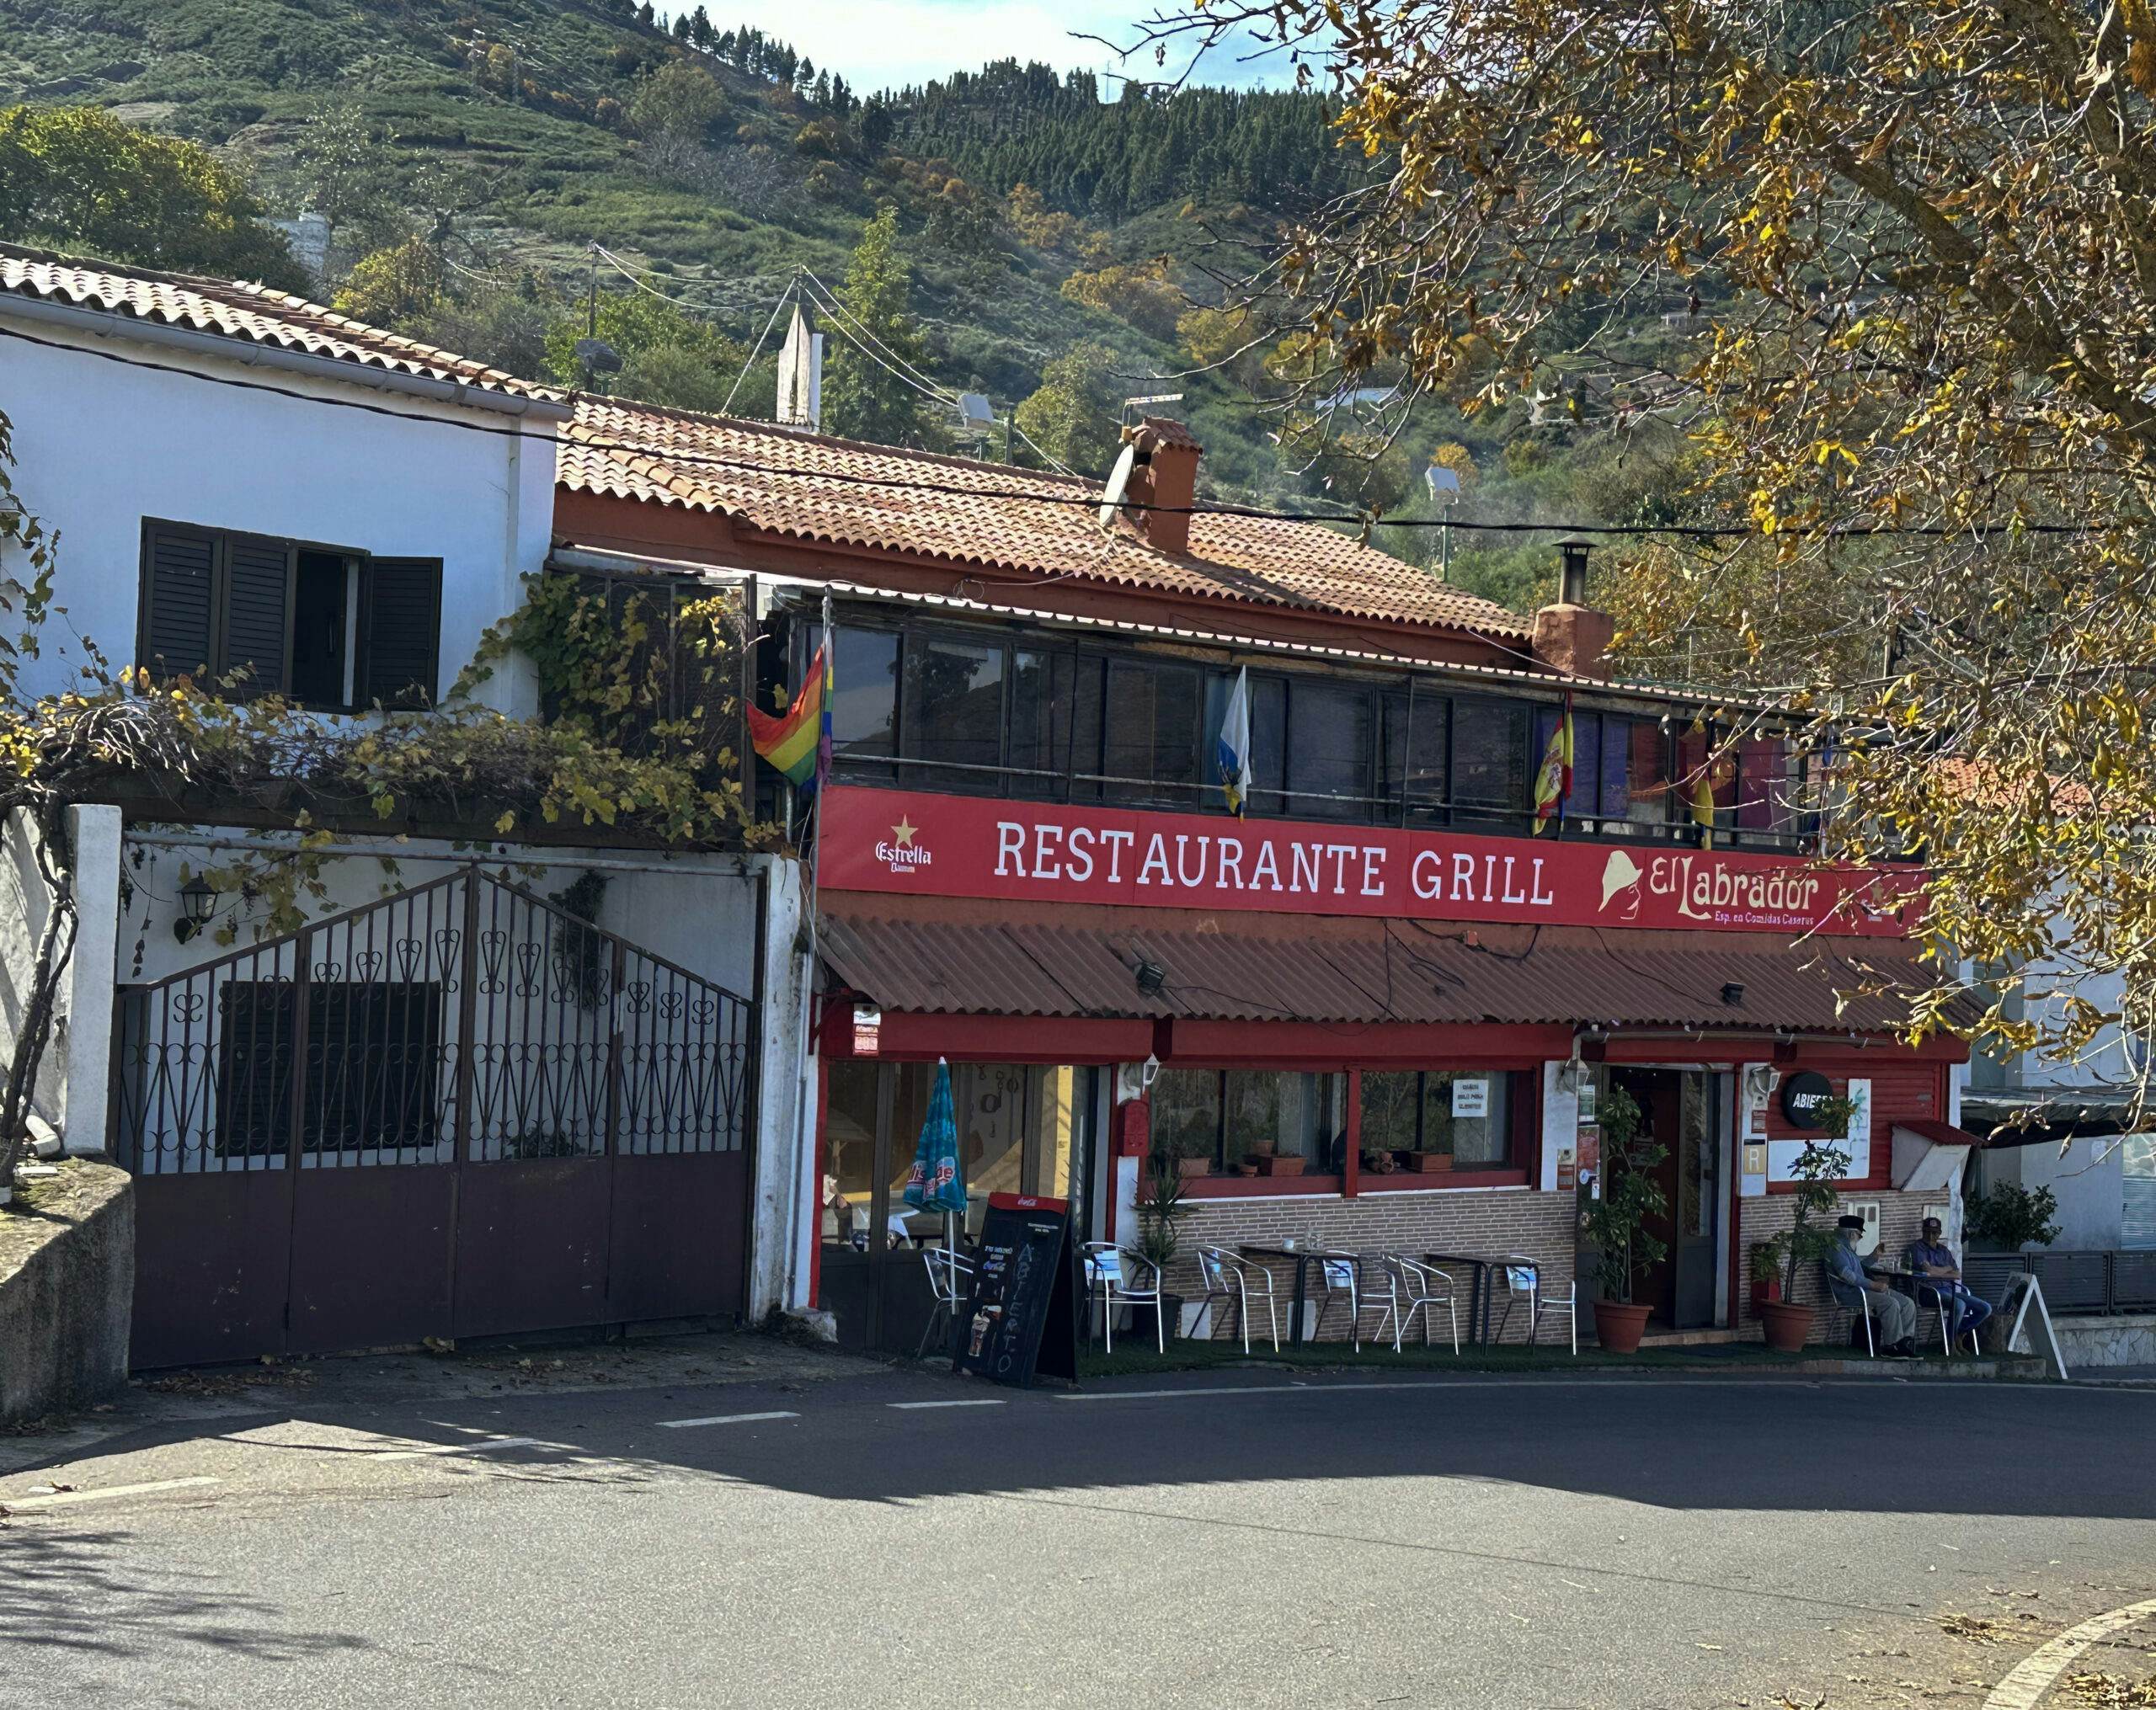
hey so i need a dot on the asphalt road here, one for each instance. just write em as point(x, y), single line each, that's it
point(1233, 1539)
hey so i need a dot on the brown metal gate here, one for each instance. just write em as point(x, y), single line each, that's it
point(457, 1111)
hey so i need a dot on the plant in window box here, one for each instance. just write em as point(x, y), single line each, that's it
point(1616, 1222)
point(1422, 1162)
point(1811, 1235)
point(1191, 1153)
point(1272, 1162)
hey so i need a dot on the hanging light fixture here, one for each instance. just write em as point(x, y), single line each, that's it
point(198, 907)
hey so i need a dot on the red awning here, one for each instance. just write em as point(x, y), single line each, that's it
point(944, 956)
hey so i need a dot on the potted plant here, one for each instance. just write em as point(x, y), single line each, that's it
point(1422, 1160)
point(1810, 1236)
point(1616, 1222)
point(1271, 1162)
point(1766, 1272)
point(1193, 1153)
point(1162, 1210)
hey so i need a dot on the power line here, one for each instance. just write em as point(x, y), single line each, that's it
point(759, 349)
point(1029, 495)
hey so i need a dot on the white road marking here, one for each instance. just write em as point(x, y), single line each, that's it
point(478, 1446)
point(2029, 1681)
point(683, 1424)
point(60, 1497)
point(1512, 1383)
point(916, 1406)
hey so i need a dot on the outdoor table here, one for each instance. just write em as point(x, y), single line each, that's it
point(1300, 1257)
point(1480, 1289)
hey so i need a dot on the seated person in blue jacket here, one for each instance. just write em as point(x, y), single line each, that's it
point(1894, 1314)
point(1932, 1260)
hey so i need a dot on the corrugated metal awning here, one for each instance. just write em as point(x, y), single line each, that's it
point(941, 956)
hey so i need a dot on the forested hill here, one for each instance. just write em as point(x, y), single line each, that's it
point(1010, 125)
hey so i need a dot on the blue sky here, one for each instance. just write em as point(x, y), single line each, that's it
point(878, 43)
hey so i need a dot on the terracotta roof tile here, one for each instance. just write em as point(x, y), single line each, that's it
point(1168, 431)
point(786, 481)
point(233, 310)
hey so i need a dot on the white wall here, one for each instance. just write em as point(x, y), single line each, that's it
point(2088, 1177)
point(65, 1102)
point(100, 445)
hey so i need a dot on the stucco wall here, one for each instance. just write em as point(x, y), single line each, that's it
point(66, 1305)
point(63, 1102)
point(101, 445)
point(2088, 1177)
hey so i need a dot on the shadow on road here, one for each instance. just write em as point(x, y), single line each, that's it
point(80, 1592)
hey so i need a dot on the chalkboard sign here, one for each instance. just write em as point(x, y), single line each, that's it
point(1021, 1319)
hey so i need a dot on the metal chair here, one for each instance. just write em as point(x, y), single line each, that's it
point(1946, 1339)
point(1524, 1276)
point(1863, 1306)
point(1411, 1290)
point(1339, 1273)
point(1227, 1277)
point(1109, 1273)
point(949, 1274)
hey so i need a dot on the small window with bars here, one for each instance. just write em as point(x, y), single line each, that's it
point(325, 627)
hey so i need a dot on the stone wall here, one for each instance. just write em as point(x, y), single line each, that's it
point(1412, 1222)
point(67, 1290)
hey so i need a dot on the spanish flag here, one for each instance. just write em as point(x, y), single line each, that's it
point(797, 742)
point(1554, 782)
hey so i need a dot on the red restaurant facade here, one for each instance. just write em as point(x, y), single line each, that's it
point(1378, 1012)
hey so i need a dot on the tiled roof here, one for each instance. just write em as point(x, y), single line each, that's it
point(784, 482)
point(252, 312)
point(943, 955)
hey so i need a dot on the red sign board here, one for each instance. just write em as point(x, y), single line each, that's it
point(901, 841)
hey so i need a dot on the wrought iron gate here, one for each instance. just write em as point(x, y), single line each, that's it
point(460, 1111)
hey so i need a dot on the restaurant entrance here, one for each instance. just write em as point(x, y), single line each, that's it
point(1022, 1128)
point(1682, 1109)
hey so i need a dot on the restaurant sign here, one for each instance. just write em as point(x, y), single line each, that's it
point(907, 842)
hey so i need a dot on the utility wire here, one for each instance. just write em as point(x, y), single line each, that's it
point(759, 349)
point(1024, 495)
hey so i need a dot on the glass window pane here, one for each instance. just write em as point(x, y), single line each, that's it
point(1613, 792)
point(914, 1083)
point(1466, 1112)
point(1490, 757)
point(1153, 718)
point(864, 693)
point(1290, 1116)
point(1058, 1114)
point(1765, 799)
point(955, 710)
point(1268, 711)
point(850, 1161)
point(1418, 753)
point(988, 1100)
point(1648, 797)
point(1329, 744)
point(1390, 1099)
point(1701, 758)
point(1186, 1117)
point(1584, 800)
point(1040, 722)
point(1086, 728)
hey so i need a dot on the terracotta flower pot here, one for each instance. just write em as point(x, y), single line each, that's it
point(1619, 1327)
point(1189, 1167)
point(1276, 1164)
point(1424, 1163)
point(1789, 1327)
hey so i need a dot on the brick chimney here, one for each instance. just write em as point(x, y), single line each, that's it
point(1571, 636)
point(1165, 475)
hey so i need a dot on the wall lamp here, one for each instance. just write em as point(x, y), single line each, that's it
point(198, 905)
point(1152, 978)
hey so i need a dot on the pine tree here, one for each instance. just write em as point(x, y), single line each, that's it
point(645, 15)
point(862, 398)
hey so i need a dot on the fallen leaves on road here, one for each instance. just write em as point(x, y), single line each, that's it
point(212, 1383)
point(2112, 1693)
point(1972, 1627)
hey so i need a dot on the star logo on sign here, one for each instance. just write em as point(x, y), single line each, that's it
point(904, 831)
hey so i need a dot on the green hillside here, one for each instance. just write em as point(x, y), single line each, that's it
point(469, 152)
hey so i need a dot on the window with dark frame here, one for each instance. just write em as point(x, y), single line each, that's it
point(377, 1078)
point(979, 713)
point(330, 627)
point(1232, 1116)
point(1418, 1110)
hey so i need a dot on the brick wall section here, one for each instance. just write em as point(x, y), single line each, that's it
point(1493, 1221)
point(1899, 1216)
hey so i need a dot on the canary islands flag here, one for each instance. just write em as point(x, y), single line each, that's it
point(797, 741)
point(1231, 752)
point(1554, 782)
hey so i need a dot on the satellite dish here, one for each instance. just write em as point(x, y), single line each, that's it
point(1444, 483)
point(1118, 484)
point(597, 356)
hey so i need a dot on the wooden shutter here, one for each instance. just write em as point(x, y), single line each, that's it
point(400, 628)
point(174, 631)
point(258, 581)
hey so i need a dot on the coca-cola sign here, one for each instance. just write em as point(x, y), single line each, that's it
point(904, 841)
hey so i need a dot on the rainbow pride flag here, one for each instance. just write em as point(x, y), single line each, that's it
point(797, 742)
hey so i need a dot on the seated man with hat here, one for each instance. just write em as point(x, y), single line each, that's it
point(1852, 1287)
point(1934, 1261)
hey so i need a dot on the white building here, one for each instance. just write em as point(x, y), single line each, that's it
point(515, 1109)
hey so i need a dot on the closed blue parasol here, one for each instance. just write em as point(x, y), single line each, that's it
point(936, 1183)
